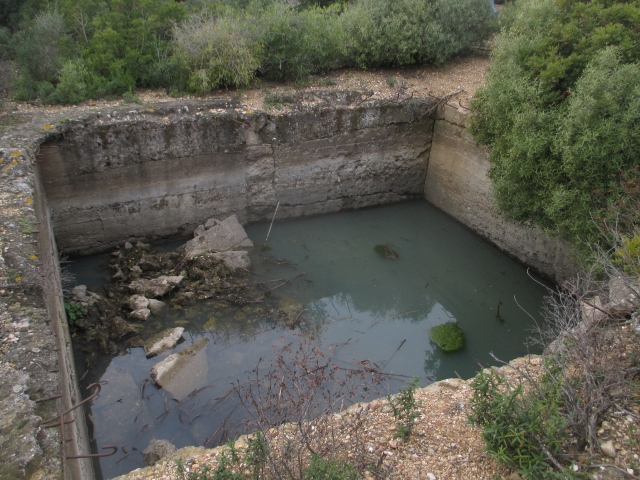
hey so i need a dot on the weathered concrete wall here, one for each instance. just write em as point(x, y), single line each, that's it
point(148, 175)
point(457, 183)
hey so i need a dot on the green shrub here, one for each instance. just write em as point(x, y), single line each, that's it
point(297, 43)
point(74, 311)
point(320, 469)
point(448, 336)
point(404, 32)
point(560, 111)
point(403, 405)
point(39, 52)
point(217, 51)
point(518, 425)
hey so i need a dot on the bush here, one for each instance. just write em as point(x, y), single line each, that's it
point(560, 111)
point(519, 427)
point(38, 49)
point(403, 32)
point(403, 405)
point(218, 52)
point(449, 337)
point(320, 469)
point(295, 44)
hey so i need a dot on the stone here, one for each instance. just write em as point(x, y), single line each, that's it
point(127, 246)
point(82, 295)
point(514, 476)
point(141, 314)
point(156, 305)
point(431, 476)
point(623, 294)
point(592, 310)
point(155, 287)
point(212, 222)
point(183, 372)
point(162, 341)
point(148, 265)
point(119, 329)
point(118, 275)
point(136, 302)
point(234, 260)
point(136, 269)
point(198, 231)
point(157, 450)
point(19, 426)
point(227, 235)
point(608, 449)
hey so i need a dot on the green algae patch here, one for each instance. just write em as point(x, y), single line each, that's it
point(449, 337)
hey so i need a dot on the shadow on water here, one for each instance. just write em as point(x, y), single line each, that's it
point(363, 309)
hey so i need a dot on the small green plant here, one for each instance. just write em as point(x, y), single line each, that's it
point(328, 82)
point(449, 336)
point(273, 100)
point(403, 405)
point(391, 81)
point(321, 469)
point(131, 97)
point(257, 453)
point(521, 428)
point(74, 311)
point(27, 226)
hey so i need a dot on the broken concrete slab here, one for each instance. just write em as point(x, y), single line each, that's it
point(226, 235)
point(141, 314)
point(155, 287)
point(162, 341)
point(183, 372)
point(136, 302)
point(234, 260)
point(156, 305)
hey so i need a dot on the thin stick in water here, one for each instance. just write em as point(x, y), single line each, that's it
point(272, 220)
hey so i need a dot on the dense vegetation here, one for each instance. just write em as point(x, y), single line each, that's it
point(70, 50)
point(561, 111)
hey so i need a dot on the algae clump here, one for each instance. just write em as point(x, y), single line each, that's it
point(449, 336)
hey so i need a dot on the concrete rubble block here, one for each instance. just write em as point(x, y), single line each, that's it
point(156, 305)
point(593, 310)
point(136, 302)
point(118, 329)
point(162, 341)
point(141, 314)
point(157, 450)
point(624, 294)
point(198, 231)
point(82, 295)
point(155, 287)
point(183, 372)
point(212, 222)
point(234, 260)
point(19, 425)
point(227, 235)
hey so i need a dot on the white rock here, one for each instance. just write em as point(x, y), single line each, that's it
point(234, 260)
point(608, 449)
point(156, 287)
point(592, 310)
point(156, 305)
point(227, 235)
point(142, 314)
point(162, 341)
point(127, 246)
point(184, 371)
point(136, 302)
point(431, 476)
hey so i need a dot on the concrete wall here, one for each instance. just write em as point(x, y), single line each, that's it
point(142, 175)
point(457, 183)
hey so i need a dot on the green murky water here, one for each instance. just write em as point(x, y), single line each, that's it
point(358, 306)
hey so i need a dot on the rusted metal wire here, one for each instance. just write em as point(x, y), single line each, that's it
point(60, 421)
